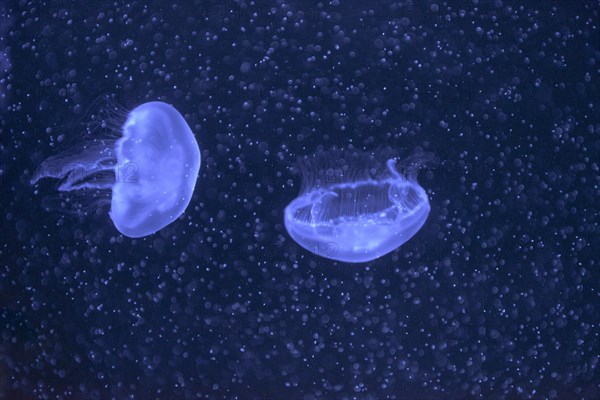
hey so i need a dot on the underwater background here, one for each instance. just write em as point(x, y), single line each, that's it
point(496, 297)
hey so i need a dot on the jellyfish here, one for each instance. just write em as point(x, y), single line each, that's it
point(360, 210)
point(151, 169)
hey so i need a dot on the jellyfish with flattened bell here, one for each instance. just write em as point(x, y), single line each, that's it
point(354, 207)
point(152, 169)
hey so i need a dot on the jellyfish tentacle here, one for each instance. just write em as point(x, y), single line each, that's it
point(88, 176)
point(76, 165)
point(391, 165)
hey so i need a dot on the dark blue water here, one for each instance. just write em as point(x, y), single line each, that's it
point(496, 297)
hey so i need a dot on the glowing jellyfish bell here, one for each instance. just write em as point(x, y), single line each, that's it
point(155, 164)
point(357, 213)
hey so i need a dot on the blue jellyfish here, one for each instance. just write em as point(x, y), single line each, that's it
point(151, 169)
point(356, 211)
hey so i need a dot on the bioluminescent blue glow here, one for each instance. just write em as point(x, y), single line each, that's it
point(359, 218)
point(155, 164)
